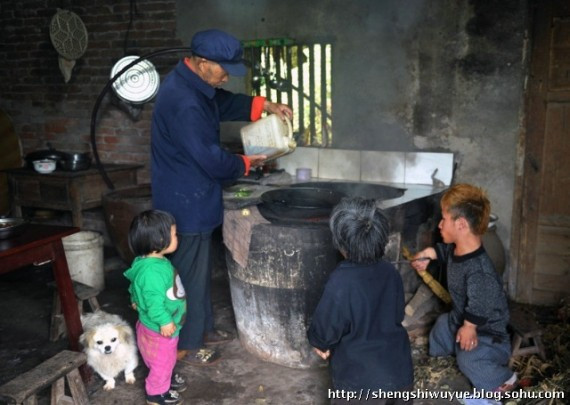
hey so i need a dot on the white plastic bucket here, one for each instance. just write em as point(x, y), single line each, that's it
point(84, 254)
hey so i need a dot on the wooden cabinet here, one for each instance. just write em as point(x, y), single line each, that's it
point(67, 191)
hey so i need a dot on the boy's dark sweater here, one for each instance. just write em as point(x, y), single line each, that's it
point(359, 319)
point(476, 291)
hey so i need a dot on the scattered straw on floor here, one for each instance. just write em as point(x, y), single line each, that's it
point(431, 373)
point(552, 374)
point(535, 375)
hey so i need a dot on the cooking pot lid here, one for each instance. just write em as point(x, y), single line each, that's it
point(139, 83)
point(45, 154)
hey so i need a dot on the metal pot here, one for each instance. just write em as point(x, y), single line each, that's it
point(75, 161)
point(12, 227)
point(299, 204)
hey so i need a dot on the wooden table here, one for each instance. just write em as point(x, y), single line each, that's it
point(42, 244)
point(64, 190)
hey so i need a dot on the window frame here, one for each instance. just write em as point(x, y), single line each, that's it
point(309, 91)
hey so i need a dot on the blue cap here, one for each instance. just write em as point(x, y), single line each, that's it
point(219, 46)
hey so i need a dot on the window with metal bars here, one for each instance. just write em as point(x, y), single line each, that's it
point(297, 74)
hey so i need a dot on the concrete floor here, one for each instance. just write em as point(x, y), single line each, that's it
point(240, 378)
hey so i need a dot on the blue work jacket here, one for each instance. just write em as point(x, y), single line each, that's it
point(188, 165)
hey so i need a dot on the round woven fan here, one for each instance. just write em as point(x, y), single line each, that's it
point(68, 34)
point(69, 38)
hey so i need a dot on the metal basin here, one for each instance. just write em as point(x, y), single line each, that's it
point(12, 227)
point(356, 189)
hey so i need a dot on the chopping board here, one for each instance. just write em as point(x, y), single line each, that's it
point(10, 157)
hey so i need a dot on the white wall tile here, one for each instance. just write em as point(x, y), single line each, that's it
point(301, 157)
point(339, 164)
point(385, 167)
point(420, 167)
point(375, 166)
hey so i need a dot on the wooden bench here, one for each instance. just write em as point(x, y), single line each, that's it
point(54, 371)
point(527, 335)
point(83, 293)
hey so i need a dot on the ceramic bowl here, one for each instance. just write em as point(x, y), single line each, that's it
point(44, 165)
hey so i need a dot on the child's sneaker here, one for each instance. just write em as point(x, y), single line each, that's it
point(178, 383)
point(170, 397)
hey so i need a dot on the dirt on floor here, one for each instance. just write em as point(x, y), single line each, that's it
point(240, 378)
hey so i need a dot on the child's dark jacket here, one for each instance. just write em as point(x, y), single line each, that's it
point(359, 318)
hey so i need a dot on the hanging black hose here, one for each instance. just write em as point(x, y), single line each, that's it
point(100, 99)
point(132, 11)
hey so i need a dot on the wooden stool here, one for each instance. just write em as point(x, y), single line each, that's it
point(527, 334)
point(82, 292)
point(63, 366)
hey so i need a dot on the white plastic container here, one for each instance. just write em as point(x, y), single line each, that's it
point(84, 254)
point(270, 136)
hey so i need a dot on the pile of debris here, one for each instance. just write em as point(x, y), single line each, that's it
point(552, 375)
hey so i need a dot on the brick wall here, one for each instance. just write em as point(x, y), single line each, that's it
point(45, 109)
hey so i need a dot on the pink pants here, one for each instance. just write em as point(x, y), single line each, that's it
point(159, 355)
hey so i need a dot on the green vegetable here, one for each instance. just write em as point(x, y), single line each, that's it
point(243, 192)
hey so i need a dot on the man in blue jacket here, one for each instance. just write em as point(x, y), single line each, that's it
point(189, 167)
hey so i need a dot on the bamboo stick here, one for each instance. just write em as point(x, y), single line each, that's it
point(432, 283)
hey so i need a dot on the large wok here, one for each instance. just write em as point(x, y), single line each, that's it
point(298, 204)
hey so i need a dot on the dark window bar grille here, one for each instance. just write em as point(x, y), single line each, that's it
point(298, 74)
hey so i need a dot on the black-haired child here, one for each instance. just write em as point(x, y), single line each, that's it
point(358, 321)
point(158, 296)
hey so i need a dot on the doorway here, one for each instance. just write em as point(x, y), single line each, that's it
point(541, 228)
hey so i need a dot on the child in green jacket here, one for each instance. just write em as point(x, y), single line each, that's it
point(158, 296)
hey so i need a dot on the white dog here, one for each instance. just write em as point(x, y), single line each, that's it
point(109, 343)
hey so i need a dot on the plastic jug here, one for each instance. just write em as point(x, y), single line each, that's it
point(270, 136)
